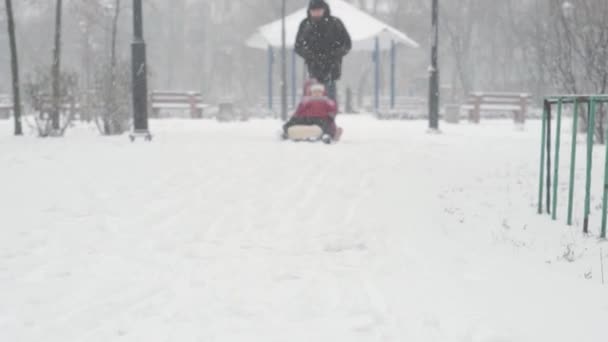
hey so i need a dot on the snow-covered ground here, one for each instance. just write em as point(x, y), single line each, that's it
point(219, 232)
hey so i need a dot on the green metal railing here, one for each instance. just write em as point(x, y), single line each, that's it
point(552, 183)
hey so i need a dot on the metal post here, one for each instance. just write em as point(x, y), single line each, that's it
point(542, 157)
point(556, 162)
point(605, 195)
point(590, 140)
point(294, 78)
point(377, 75)
point(393, 73)
point(548, 194)
point(434, 70)
point(140, 76)
point(283, 64)
point(572, 162)
point(270, 85)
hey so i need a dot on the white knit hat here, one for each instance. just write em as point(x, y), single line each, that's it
point(317, 87)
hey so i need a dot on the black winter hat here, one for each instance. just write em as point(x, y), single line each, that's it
point(315, 4)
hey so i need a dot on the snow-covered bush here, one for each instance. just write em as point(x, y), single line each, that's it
point(38, 96)
point(109, 101)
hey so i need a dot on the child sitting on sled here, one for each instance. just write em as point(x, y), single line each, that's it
point(316, 109)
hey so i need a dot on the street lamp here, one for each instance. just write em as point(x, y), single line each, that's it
point(434, 71)
point(140, 77)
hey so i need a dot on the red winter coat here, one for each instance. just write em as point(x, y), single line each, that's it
point(317, 107)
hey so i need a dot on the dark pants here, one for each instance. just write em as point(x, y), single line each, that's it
point(330, 86)
point(327, 125)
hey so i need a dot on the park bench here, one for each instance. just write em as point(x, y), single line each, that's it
point(406, 108)
point(190, 102)
point(6, 106)
point(501, 103)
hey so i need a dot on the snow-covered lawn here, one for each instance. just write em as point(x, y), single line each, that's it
point(219, 232)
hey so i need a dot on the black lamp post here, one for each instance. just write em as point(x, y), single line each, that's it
point(434, 71)
point(140, 76)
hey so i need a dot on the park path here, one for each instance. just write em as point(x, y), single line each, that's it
point(223, 233)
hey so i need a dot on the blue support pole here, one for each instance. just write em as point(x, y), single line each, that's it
point(294, 81)
point(393, 73)
point(377, 76)
point(270, 63)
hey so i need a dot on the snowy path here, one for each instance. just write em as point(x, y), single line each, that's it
point(221, 233)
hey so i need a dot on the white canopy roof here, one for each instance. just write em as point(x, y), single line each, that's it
point(363, 29)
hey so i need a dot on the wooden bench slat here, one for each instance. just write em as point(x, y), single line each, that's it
point(492, 107)
point(492, 100)
point(500, 95)
point(497, 101)
point(178, 100)
point(493, 103)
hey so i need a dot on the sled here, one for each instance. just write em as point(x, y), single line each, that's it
point(311, 133)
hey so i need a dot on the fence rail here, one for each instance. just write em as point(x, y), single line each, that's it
point(549, 178)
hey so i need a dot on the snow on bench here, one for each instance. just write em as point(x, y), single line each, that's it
point(479, 102)
point(181, 101)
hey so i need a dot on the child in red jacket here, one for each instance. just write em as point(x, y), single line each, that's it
point(317, 109)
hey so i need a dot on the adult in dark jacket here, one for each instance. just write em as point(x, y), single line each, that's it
point(323, 41)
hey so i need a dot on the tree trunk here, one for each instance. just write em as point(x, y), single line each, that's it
point(14, 68)
point(111, 121)
point(86, 70)
point(56, 70)
point(114, 34)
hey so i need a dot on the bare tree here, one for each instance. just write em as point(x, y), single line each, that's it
point(572, 38)
point(459, 22)
point(14, 68)
point(111, 126)
point(56, 69)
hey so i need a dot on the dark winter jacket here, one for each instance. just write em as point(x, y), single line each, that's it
point(323, 44)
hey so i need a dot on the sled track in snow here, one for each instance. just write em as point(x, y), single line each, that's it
point(222, 233)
